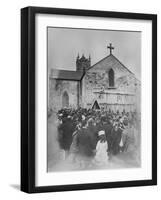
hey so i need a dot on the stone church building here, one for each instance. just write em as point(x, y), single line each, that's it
point(107, 84)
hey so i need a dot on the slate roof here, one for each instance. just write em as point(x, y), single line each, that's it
point(66, 75)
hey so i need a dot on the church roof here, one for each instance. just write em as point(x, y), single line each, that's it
point(110, 58)
point(113, 57)
point(66, 75)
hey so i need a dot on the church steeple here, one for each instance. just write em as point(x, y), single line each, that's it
point(83, 63)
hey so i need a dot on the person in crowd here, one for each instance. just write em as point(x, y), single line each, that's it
point(86, 146)
point(101, 157)
point(65, 132)
point(129, 140)
point(107, 127)
point(74, 146)
point(92, 132)
point(116, 135)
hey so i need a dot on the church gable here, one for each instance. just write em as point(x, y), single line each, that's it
point(110, 62)
point(109, 73)
point(112, 84)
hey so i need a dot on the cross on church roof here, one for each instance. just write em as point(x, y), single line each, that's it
point(110, 47)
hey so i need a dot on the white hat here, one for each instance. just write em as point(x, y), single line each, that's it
point(83, 117)
point(101, 133)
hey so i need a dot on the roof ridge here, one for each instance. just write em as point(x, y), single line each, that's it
point(115, 58)
point(66, 74)
point(63, 70)
point(123, 64)
point(125, 67)
point(99, 61)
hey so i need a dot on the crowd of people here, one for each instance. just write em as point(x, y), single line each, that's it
point(92, 136)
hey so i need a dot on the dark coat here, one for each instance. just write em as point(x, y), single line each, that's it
point(65, 132)
point(108, 129)
point(116, 139)
point(93, 134)
point(86, 144)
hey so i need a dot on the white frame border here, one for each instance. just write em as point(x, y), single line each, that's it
point(64, 178)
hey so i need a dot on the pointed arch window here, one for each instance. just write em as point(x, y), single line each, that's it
point(111, 78)
point(65, 100)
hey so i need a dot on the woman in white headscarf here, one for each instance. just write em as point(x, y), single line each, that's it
point(101, 157)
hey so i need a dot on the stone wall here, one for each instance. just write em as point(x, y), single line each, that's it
point(56, 91)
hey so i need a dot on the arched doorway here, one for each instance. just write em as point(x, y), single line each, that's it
point(65, 100)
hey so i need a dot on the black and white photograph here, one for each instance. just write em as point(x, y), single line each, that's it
point(89, 99)
point(94, 99)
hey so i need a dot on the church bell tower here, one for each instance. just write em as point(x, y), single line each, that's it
point(83, 63)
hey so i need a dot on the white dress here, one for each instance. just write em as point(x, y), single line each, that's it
point(101, 157)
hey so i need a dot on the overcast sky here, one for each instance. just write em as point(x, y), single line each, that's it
point(64, 44)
